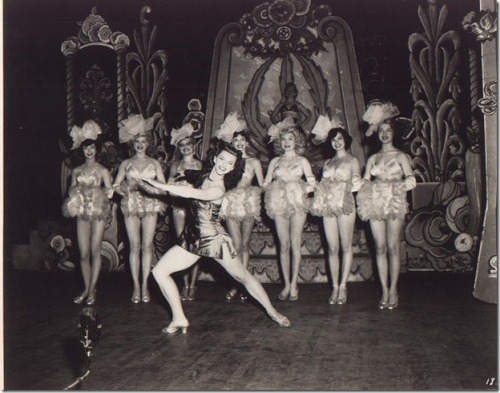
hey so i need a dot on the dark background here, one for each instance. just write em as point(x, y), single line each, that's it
point(34, 74)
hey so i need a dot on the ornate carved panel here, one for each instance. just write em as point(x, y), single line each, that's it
point(279, 43)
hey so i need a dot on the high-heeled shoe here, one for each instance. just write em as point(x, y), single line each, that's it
point(280, 319)
point(231, 294)
point(185, 293)
point(174, 327)
point(145, 296)
point(383, 303)
point(91, 299)
point(136, 297)
point(192, 294)
point(342, 299)
point(243, 296)
point(393, 301)
point(79, 299)
point(334, 296)
point(284, 295)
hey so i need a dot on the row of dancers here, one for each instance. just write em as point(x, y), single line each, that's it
point(223, 188)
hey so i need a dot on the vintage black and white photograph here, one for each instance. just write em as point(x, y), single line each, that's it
point(250, 195)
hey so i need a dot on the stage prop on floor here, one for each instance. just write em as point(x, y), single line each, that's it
point(89, 329)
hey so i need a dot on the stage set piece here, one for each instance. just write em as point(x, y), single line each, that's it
point(297, 56)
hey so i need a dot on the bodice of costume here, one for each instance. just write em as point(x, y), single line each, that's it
point(341, 172)
point(204, 234)
point(136, 202)
point(89, 179)
point(386, 170)
point(288, 173)
point(132, 173)
point(87, 200)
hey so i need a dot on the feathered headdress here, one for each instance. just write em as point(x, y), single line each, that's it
point(275, 129)
point(323, 126)
point(179, 134)
point(230, 125)
point(89, 130)
point(378, 112)
point(133, 126)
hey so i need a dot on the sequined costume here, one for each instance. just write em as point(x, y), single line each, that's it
point(135, 202)
point(204, 234)
point(286, 195)
point(87, 200)
point(333, 195)
point(244, 201)
point(385, 197)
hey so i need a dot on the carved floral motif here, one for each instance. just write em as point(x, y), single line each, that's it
point(438, 149)
point(488, 103)
point(283, 27)
point(486, 28)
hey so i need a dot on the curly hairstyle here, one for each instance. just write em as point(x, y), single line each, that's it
point(231, 179)
point(332, 134)
point(397, 139)
point(300, 140)
point(150, 150)
point(80, 157)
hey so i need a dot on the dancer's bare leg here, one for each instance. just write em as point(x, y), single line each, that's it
point(332, 236)
point(393, 232)
point(236, 269)
point(96, 236)
point(283, 231)
point(83, 236)
point(297, 222)
point(175, 260)
point(148, 233)
point(378, 228)
point(133, 226)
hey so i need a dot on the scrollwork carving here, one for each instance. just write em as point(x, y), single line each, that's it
point(281, 27)
point(434, 58)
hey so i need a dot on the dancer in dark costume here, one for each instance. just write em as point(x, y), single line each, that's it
point(205, 236)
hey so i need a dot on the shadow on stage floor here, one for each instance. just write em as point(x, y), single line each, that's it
point(440, 338)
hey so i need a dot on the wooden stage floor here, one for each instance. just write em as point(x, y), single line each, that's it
point(440, 338)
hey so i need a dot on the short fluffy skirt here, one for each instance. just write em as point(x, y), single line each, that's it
point(242, 203)
point(382, 200)
point(87, 203)
point(332, 198)
point(285, 198)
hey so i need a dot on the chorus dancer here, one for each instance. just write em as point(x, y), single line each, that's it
point(140, 210)
point(382, 201)
point(184, 142)
point(88, 201)
point(286, 199)
point(241, 206)
point(334, 201)
point(204, 235)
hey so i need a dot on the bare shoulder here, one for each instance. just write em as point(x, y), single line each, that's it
point(304, 160)
point(403, 157)
point(254, 162)
point(102, 169)
point(125, 163)
point(353, 160)
point(77, 170)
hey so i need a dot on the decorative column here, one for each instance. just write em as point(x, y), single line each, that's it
point(486, 283)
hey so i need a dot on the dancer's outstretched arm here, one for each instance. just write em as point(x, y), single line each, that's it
point(209, 194)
